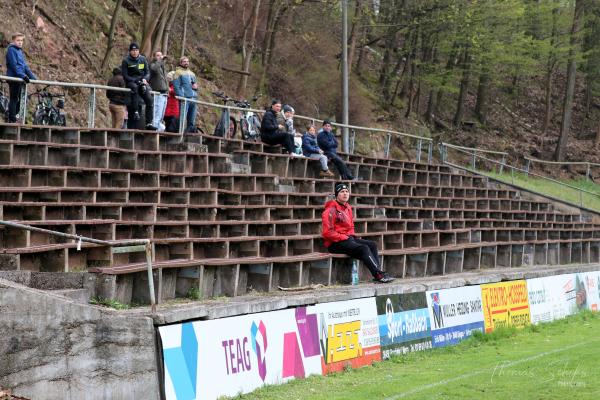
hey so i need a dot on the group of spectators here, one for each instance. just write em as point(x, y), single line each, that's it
point(162, 111)
point(277, 129)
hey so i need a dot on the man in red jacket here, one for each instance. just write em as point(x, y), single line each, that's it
point(339, 237)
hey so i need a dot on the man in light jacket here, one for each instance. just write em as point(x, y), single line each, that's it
point(185, 85)
point(159, 83)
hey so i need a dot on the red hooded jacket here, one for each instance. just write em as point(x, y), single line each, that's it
point(172, 109)
point(338, 222)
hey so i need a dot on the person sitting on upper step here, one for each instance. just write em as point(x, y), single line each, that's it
point(274, 133)
point(328, 143)
point(136, 72)
point(311, 149)
point(339, 237)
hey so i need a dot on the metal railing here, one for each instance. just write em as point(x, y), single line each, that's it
point(503, 164)
point(117, 247)
point(421, 140)
point(530, 160)
point(91, 113)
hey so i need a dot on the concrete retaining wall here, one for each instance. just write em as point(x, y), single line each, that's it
point(53, 348)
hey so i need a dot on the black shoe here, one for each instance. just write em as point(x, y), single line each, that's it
point(136, 116)
point(150, 127)
point(383, 278)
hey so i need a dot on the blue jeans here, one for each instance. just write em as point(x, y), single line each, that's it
point(190, 116)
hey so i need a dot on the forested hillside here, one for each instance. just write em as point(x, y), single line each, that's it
point(520, 75)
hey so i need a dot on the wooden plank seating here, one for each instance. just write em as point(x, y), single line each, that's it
point(229, 216)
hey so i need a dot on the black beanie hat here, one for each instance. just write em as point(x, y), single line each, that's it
point(134, 46)
point(339, 187)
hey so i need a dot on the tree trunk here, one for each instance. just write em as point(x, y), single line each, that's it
point(248, 53)
point(269, 43)
point(559, 154)
point(430, 107)
point(185, 25)
point(353, 34)
point(547, 100)
point(464, 87)
point(151, 21)
point(111, 34)
point(165, 39)
point(160, 31)
point(483, 90)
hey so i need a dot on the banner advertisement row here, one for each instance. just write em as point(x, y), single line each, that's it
point(228, 356)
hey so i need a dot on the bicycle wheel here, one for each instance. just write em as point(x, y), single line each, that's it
point(232, 128)
point(40, 117)
point(245, 129)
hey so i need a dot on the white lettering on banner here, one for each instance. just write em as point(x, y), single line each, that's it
point(237, 357)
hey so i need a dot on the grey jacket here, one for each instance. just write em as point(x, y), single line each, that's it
point(158, 77)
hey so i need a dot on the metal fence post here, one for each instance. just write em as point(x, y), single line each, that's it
point(387, 145)
point(92, 108)
point(352, 141)
point(474, 160)
point(182, 117)
point(419, 147)
point(503, 162)
point(443, 152)
point(150, 276)
point(527, 166)
point(429, 152)
point(23, 103)
point(588, 173)
point(512, 175)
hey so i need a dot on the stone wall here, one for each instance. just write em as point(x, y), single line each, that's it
point(53, 348)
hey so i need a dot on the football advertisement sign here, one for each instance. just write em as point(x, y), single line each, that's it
point(505, 304)
point(552, 297)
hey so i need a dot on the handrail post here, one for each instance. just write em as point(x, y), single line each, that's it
point(512, 175)
point(92, 108)
point(182, 117)
point(503, 162)
point(419, 146)
point(443, 152)
point(387, 145)
point(527, 165)
point(23, 103)
point(150, 276)
point(352, 141)
point(588, 173)
point(429, 152)
point(474, 160)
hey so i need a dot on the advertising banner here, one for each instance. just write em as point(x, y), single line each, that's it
point(505, 304)
point(349, 333)
point(587, 291)
point(551, 297)
point(209, 359)
point(454, 314)
point(404, 324)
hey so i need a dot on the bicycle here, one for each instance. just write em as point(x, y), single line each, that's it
point(249, 122)
point(46, 111)
point(3, 102)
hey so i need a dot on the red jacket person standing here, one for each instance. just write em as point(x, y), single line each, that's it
point(339, 237)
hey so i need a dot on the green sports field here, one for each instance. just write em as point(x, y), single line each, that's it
point(560, 360)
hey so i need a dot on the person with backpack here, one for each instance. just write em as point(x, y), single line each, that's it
point(339, 237)
point(136, 72)
point(117, 100)
point(274, 133)
point(16, 67)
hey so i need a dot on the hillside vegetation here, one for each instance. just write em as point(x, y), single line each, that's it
point(514, 75)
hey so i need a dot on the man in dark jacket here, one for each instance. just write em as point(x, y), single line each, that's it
point(339, 237)
point(158, 82)
point(16, 67)
point(136, 72)
point(117, 101)
point(272, 132)
point(328, 143)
